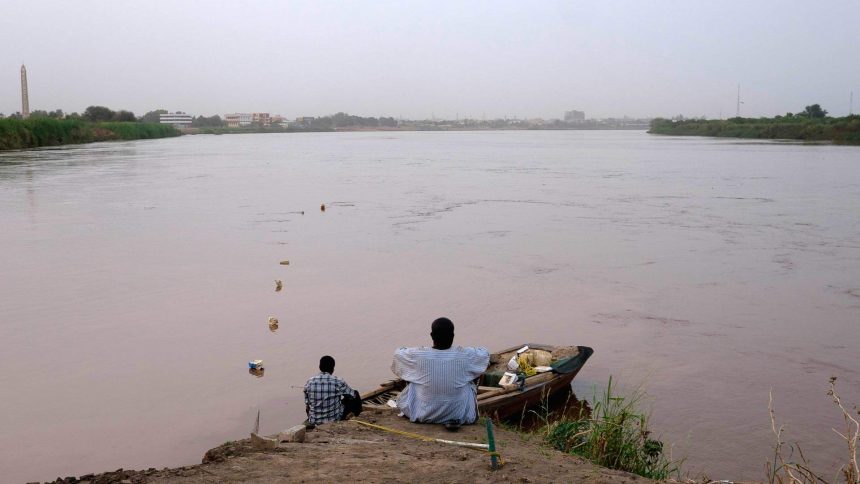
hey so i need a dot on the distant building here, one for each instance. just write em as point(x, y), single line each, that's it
point(304, 120)
point(574, 116)
point(177, 119)
point(236, 120)
point(262, 119)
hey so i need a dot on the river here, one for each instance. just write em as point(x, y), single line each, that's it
point(137, 279)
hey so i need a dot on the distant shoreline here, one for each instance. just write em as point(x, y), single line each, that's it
point(17, 134)
point(350, 129)
point(845, 130)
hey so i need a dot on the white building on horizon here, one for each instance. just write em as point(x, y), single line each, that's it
point(177, 119)
point(236, 120)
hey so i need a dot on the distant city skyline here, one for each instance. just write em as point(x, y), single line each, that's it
point(425, 59)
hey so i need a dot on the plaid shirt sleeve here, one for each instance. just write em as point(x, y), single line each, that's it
point(343, 388)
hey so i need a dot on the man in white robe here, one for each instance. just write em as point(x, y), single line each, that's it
point(441, 379)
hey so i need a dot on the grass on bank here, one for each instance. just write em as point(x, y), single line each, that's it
point(614, 434)
point(18, 134)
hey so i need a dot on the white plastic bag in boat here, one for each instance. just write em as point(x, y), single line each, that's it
point(513, 364)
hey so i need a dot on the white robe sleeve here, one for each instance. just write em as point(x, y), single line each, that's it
point(405, 364)
point(478, 361)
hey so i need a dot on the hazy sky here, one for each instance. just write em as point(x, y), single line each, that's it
point(415, 59)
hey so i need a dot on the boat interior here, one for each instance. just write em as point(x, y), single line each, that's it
point(488, 383)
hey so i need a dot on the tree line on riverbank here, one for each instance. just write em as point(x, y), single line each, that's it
point(811, 124)
point(102, 114)
point(47, 131)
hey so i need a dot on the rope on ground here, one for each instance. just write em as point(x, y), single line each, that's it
point(468, 445)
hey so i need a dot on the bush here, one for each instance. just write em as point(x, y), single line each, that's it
point(614, 435)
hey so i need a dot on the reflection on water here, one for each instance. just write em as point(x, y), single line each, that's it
point(137, 274)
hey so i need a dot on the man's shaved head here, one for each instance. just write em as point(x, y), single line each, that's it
point(442, 332)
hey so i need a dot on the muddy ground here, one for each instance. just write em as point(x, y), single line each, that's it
point(347, 451)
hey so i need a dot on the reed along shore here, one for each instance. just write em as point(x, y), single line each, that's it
point(844, 130)
point(17, 134)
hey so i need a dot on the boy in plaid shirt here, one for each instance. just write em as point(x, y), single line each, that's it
point(328, 398)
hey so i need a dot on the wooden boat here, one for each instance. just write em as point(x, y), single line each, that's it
point(498, 402)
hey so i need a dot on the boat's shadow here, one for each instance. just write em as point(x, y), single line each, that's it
point(561, 405)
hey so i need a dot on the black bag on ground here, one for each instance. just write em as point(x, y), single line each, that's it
point(351, 404)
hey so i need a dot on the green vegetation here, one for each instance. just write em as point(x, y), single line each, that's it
point(130, 131)
point(615, 434)
point(58, 114)
point(46, 131)
point(153, 116)
point(101, 114)
point(811, 124)
point(204, 122)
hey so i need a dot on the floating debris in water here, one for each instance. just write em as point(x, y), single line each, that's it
point(285, 262)
point(279, 284)
point(322, 208)
point(257, 372)
point(255, 364)
point(273, 324)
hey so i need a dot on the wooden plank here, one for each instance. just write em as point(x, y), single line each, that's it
point(530, 381)
point(500, 391)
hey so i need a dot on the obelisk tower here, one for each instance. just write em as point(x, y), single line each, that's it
point(25, 98)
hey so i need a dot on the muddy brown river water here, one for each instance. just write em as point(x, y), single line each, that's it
point(137, 279)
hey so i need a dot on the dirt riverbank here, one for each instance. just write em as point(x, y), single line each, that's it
point(349, 451)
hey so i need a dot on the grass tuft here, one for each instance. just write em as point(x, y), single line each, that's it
point(615, 435)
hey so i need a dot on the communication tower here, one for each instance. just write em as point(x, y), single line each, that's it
point(25, 98)
point(738, 110)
